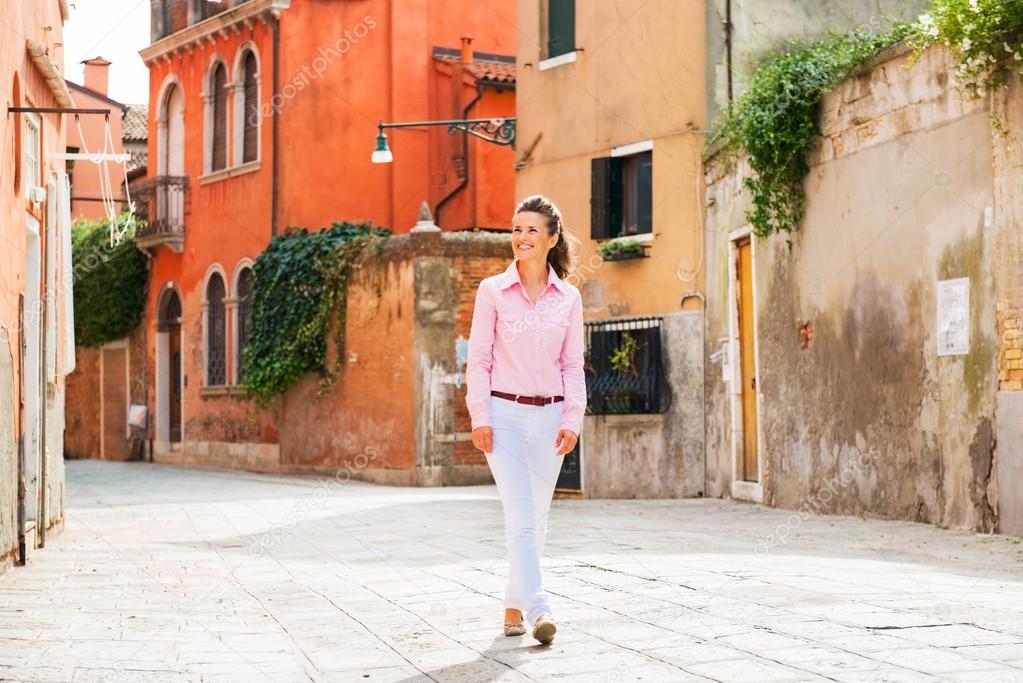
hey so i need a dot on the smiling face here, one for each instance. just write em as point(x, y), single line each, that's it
point(530, 237)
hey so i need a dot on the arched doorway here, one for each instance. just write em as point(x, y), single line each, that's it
point(168, 367)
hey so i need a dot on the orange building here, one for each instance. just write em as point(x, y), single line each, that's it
point(36, 314)
point(263, 115)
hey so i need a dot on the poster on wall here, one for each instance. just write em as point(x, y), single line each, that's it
point(953, 311)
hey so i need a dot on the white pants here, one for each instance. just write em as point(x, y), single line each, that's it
point(525, 466)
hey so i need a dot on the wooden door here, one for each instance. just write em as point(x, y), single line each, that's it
point(748, 378)
point(115, 403)
point(174, 381)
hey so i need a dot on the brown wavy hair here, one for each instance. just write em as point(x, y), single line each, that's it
point(562, 255)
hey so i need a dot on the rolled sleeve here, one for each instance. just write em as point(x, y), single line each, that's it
point(572, 375)
point(481, 357)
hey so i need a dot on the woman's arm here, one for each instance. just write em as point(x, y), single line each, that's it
point(481, 357)
point(572, 375)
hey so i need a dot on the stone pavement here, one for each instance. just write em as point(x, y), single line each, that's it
point(170, 574)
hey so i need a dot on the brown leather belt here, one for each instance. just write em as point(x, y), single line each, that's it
point(529, 400)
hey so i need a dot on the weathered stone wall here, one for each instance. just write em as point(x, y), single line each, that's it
point(759, 26)
point(654, 456)
point(83, 395)
point(858, 414)
point(1007, 105)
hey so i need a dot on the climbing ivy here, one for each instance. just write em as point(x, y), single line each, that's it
point(985, 36)
point(109, 283)
point(299, 290)
point(775, 122)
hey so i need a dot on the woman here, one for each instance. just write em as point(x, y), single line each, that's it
point(527, 394)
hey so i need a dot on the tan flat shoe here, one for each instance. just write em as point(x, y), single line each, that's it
point(514, 629)
point(544, 629)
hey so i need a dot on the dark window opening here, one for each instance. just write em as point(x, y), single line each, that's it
point(621, 198)
point(216, 332)
point(218, 157)
point(624, 368)
point(250, 124)
point(244, 315)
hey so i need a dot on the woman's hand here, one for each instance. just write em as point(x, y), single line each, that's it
point(565, 441)
point(483, 439)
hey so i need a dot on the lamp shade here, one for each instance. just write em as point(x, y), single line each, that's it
point(382, 153)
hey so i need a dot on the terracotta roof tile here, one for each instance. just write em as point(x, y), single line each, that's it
point(499, 71)
point(135, 123)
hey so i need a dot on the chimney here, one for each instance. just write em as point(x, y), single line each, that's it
point(466, 57)
point(97, 74)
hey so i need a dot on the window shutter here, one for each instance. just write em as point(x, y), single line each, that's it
point(216, 331)
point(244, 315)
point(219, 152)
point(251, 122)
point(560, 27)
point(605, 197)
point(600, 172)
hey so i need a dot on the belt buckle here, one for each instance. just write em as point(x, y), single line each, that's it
point(540, 400)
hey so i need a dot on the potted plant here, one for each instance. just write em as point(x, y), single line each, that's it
point(622, 394)
point(620, 250)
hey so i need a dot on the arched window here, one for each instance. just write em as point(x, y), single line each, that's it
point(247, 106)
point(244, 315)
point(218, 118)
point(216, 332)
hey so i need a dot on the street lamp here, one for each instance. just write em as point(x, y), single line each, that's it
point(382, 154)
point(500, 131)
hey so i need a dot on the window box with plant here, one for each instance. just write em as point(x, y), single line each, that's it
point(622, 250)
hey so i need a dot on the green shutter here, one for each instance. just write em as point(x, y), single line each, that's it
point(560, 27)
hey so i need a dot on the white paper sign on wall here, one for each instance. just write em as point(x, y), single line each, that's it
point(953, 309)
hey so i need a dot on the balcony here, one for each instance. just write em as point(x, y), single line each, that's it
point(161, 203)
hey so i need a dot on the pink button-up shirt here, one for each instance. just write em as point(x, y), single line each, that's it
point(524, 349)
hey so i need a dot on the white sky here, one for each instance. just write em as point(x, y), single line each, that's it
point(115, 30)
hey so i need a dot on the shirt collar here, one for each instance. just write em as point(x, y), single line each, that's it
point(511, 276)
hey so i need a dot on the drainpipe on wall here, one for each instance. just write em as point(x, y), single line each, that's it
point(275, 27)
point(464, 59)
point(728, 48)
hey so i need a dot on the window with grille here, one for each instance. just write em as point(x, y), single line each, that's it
point(216, 332)
point(218, 152)
point(621, 198)
point(244, 315)
point(560, 27)
point(250, 120)
point(624, 367)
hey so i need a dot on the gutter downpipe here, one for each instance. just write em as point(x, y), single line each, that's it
point(275, 190)
point(465, 155)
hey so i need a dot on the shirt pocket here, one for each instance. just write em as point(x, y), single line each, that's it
point(511, 323)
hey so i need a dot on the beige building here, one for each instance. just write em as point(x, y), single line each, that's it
point(611, 106)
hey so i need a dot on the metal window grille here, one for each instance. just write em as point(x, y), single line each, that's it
point(251, 122)
point(244, 314)
point(636, 384)
point(219, 151)
point(216, 329)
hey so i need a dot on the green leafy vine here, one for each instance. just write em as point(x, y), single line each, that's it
point(109, 283)
point(775, 122)
point(985, 36)
point(299, 291)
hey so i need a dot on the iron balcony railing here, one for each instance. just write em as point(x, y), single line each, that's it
point(160, 203)
point(625, 367)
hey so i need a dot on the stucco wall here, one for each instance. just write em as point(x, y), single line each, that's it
point(638, 76)
point(759, 26)
point(899, 197)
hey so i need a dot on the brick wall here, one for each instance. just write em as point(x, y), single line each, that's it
point(468, 273)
